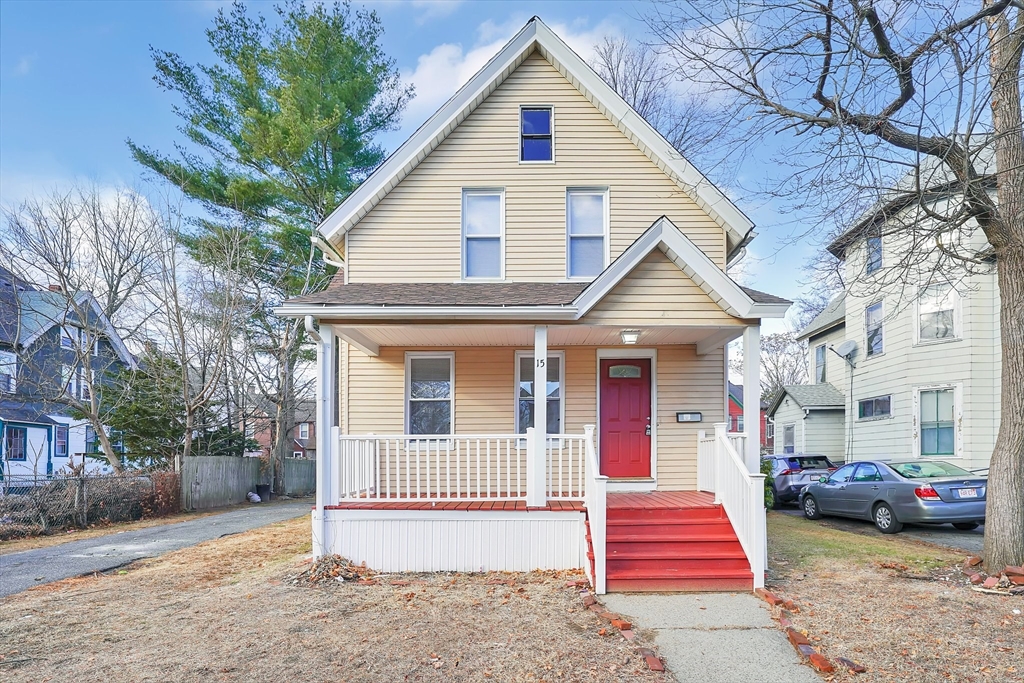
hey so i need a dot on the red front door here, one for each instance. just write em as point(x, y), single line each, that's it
point(625, 438)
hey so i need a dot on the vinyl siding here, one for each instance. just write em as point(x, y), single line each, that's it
point(835, 367)
point(414, 233)
point(823, 434)
point(970, 363)
point(656, 292)
point(485, 398)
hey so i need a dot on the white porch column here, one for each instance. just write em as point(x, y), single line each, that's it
point(536, 467)
point(752, 395)
point(326, 443)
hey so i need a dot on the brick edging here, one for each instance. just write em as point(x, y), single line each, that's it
point(654, 663)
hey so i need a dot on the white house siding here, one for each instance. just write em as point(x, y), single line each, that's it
point(36, 453)
point(789, 413)
point(835, 367)
point(970, 364)
point(432, 541)
point(823, 433)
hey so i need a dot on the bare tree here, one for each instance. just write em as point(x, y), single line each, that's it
point(94, 252)
point(783, 363)
point(911, 111)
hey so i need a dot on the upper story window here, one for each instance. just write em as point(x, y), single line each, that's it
point(873, 315)
point(483, 218)
point(586, 215)
point(68, 337)
point(819, 363)
point(936, 313)
point(536, 142)
point(874, 254)
point(304, 430)
point(8, 372)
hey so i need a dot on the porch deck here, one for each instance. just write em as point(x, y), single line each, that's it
point(661, 500)
point(449, 505)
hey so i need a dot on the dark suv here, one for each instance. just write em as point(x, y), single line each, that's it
point(793, 471)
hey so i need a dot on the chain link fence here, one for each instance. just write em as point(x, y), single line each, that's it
point(34, 505)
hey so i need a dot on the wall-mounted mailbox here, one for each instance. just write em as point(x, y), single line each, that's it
point(688, 417)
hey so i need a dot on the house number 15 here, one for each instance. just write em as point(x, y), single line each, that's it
point(542, 362)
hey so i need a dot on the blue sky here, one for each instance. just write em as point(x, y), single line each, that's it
point(76, 82)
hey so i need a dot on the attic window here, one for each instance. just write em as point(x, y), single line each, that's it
point(535, 136)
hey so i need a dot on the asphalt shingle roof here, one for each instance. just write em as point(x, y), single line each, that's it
point(832, 315)
point(822, 395)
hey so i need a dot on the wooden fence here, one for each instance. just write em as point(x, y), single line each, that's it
point(211, 481)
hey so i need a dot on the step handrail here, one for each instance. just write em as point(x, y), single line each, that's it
point(741, 493)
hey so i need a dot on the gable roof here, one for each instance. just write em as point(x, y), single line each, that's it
point(536, 36)
point(831, 316)
point(566, 301)
point(809, 396)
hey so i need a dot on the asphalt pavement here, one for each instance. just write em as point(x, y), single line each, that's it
point(939, 534)
point(19, 571)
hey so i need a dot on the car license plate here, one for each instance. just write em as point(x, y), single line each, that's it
point(968, 493)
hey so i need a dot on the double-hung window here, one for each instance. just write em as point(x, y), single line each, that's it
point(788, 438)
point(17, 443)
point(874, 254)
point(8, 372)
point(62, 442)
point(873, 316)
point(936, 313)
point(819, 363)
point(526, 391)
point(536, 139)
point(586, 213)
point(483, 218)
point(937, 422)
point(68, 336)
point(304, 430)
point(429, 392)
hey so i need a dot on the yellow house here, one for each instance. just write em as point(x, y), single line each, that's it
point(537, 248)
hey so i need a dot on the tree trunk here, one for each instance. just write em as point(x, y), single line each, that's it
point(1004, 515)
point(284, 418)
point(108, 448)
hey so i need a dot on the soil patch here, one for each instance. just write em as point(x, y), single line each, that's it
point(902, 608)
point(229, 610)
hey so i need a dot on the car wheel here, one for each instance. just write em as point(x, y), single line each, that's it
point(811, 508)
point(965, 526)
point(885, 520)
point(772, 500)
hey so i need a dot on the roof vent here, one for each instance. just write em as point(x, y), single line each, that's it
point(57, 288)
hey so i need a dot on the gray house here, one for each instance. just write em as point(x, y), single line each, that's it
point(808, 418)
point(55, 350)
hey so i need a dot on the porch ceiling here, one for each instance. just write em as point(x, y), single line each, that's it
point(523, 335)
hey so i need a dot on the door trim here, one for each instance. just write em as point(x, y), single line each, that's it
point(644, 484)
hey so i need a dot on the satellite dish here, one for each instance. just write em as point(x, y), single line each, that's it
point(847, 348)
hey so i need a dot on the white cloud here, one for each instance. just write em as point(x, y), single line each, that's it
point(434, 9)
point(446, 68)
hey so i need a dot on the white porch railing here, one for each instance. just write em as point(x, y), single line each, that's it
point(566, 455)
point(721, 469)
point(596, 500)
point(457, 467)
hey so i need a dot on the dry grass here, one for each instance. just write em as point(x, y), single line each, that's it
point(900, 607)
point(227, 610)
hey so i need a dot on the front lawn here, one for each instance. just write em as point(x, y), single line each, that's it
point(898, 606)
point(227, 610)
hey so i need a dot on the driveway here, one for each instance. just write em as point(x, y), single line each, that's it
point(940, 534)
point(19, 571)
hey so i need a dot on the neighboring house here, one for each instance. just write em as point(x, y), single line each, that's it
point(924, 378)
point(259, 427)
point(808, 418)
point(537, 248)
point(736, 417)
point(45, 347)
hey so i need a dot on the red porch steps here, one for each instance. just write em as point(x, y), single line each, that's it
point(672, 541)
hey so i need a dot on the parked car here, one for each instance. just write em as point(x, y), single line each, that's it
point(791, 472)
point(892, 493)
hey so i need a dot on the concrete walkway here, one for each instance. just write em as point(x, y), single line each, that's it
point(714, 637)
point(19, 571)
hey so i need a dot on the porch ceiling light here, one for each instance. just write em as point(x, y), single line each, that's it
point(630, 336)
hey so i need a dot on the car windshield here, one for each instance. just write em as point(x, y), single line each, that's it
point(814, 462)
point(929, 470)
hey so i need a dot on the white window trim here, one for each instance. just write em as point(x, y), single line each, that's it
point(500, 191)
point(824, 363)
point(410, 355)
point(958, 330)
point(69, 333)
point(607, 229)
point(867, 356)
point(958, 419)
point(561, 387)
point(867, 254)
point(519, 134)
point(298, 454)
point(67, 440)
point(873, 418)
point(10, 361)
point(303, 430)
point(782, 440)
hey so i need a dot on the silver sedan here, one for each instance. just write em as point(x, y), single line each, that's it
point(892, 493)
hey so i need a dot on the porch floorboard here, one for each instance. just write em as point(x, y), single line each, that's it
point(660, 500)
